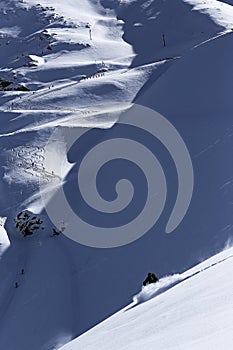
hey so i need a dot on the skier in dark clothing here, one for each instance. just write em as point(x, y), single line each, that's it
point(56, 233)
point(151, 278)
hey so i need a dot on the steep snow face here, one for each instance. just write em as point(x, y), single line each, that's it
point(77, 67)
point(195, 96)
point(163, 28)
point(192, 310)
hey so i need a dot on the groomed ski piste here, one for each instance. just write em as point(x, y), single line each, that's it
point(78, 64)
point(190, 310)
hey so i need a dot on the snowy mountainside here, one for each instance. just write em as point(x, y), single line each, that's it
point(191, 310)
point(72, 64)
point(171, 28)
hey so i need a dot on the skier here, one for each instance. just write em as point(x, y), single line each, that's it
point(151, 278)
point(56, 233)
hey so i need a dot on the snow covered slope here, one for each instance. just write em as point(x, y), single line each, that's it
point(68, 65)
point(192, 310)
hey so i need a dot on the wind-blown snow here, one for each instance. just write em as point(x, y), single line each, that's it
point(151, 290)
